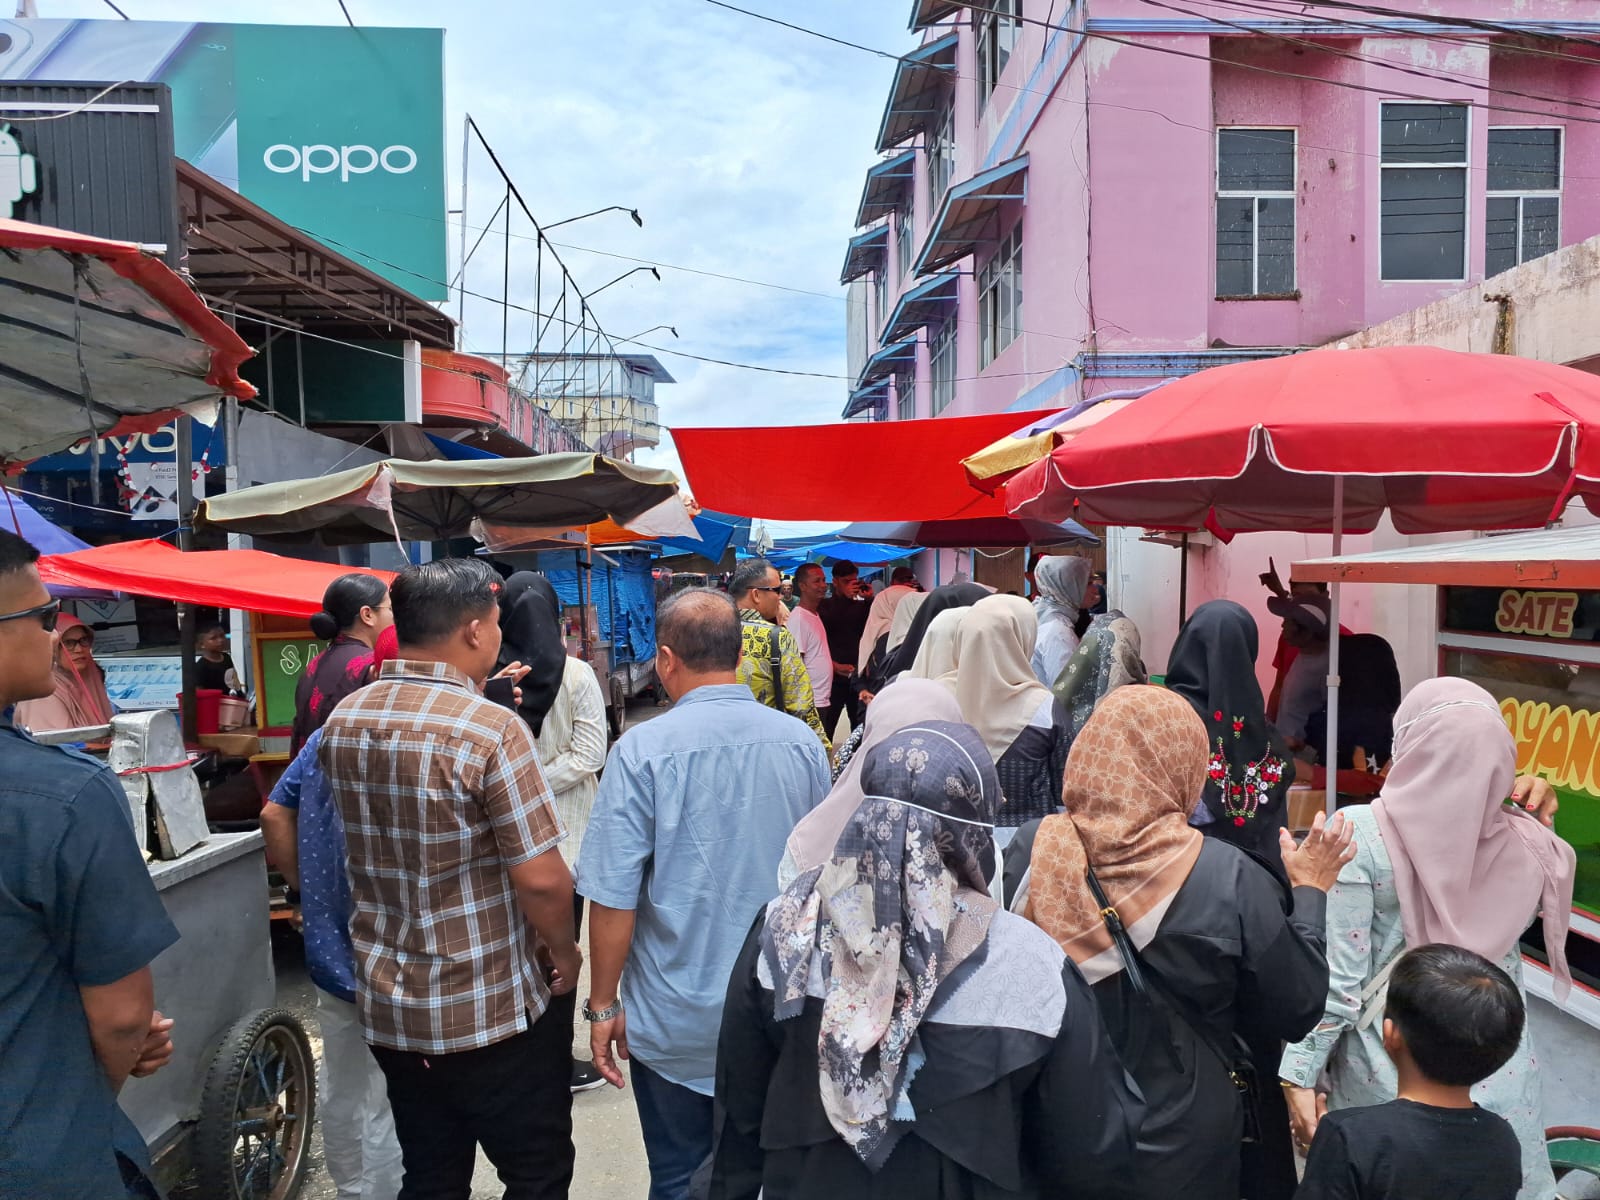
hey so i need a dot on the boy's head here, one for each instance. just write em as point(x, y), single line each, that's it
point(1456, 1015)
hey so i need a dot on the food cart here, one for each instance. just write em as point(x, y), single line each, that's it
point(1519, 614)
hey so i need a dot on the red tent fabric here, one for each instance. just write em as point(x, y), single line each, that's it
point(1443, 441)
point(247, 579)
point(888, 471)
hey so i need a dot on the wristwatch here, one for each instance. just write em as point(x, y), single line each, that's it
point(604, 1014)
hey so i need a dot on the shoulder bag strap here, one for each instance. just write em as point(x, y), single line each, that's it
point(1144, 1010)
point(775, 657)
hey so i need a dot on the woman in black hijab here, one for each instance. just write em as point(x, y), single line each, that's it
point(1213, 667)
point(530, 633)
point(1246, 802)
point(951, 595)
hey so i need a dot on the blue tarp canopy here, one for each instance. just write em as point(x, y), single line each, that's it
point(18, 516)
point(456, 452)
point(860, 553)
point(623, 595)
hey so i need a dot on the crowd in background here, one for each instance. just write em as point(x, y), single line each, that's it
point(930, 895)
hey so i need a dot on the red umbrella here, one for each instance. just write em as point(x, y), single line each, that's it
point(1331, 440)
point(1442, 441)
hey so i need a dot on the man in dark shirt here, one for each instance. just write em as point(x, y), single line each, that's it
point(844, 618)
point(214, 668)
point(80, 923)
point(1452, 1019)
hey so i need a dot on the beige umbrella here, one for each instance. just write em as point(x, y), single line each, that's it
point(429, 501)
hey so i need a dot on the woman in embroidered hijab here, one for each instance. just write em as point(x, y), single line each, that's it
point(1220, 958)
point(1213, 667)
point(890, 1033)
point(1440, 858)
point(1061, 580)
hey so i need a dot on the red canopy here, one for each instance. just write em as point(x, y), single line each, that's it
point(888, 471)
point(248, 579)
point(1441, 440)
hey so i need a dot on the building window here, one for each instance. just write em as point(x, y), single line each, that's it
point(1423, 201)
point(880, 290)
point(905, 396)
point(941, 156)
point(1255, 212)
point(997, 38)
point(1524, 196)
point(902, 235)
point(942, 366)
point(1000, 298)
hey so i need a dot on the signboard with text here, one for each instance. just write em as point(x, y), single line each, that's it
point(336, 130)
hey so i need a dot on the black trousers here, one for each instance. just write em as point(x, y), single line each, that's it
point(513, 1098)
point(843, 699)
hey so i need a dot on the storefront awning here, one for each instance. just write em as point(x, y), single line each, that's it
point(930, 12)
point(920, 82)
point(970, 215)
point(99, 336)
point(865, 253)
point(1546, 558)
point(886, 187)
point(928, 303)
point(253, 580)
point(888, 361)
point(873, 398)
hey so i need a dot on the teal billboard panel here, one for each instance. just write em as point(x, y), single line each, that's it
point(335, 130)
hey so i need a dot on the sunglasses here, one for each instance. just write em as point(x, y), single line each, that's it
point(45, 614)
point(766, 589)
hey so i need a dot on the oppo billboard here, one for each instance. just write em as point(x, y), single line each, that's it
point(336, 130)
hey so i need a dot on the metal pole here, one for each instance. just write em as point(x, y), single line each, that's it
point(466, 149)
point(186, 613)
point(505, 294)
point(1183, 580)
point(238, 619)
point(1333, 651)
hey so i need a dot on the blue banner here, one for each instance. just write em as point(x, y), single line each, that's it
point(160, 446)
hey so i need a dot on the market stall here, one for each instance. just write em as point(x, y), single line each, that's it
point(1519, 615)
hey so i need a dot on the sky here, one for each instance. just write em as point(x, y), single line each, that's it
point(742, 145)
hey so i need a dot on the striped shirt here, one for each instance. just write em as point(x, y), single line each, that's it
point(440, 792)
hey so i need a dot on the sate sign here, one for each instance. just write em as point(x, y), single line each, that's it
point(1541, 614)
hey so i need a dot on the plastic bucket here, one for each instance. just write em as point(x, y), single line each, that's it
point(232, 713)
point(207, 710)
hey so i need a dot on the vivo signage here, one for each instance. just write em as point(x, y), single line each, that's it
point(335, 130)
point(323, 159)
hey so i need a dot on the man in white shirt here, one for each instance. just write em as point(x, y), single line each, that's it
point(811, 587)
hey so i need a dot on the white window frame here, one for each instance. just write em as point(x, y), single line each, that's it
point(1521, 194)
point(942, 365)
point(904, 224)
point(1255, 226)
point(1002, 274)
point(941, 154)
point(1464, 166)
point(905, 395)
point(988, 30)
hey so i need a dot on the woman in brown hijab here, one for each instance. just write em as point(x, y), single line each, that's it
point(1225, 963)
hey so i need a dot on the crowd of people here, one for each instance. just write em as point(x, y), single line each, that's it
point(1026, 925)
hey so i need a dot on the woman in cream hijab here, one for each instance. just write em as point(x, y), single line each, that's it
point(1012, 711)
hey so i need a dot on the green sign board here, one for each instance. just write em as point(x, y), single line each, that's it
point(283, 661)
point(335, 130)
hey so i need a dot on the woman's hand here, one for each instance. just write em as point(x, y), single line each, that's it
point(1316, 862)
point(1536, 796)
point(1306, 1109)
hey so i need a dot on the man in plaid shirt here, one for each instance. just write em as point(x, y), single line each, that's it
point(462, 925)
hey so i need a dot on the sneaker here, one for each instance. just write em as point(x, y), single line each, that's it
point(584, 1077)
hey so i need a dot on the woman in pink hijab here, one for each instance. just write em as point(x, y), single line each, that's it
point(1441, 857)
point(80, 698)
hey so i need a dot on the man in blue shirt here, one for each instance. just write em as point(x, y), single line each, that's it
point(680, 855)
point(80, 923)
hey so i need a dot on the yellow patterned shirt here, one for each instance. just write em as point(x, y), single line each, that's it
point(755, 671)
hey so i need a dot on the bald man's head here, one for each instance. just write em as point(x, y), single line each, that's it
point(700, 627)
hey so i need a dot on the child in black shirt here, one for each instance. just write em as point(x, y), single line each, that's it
point(1452, 1018)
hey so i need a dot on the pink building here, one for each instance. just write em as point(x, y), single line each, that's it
point(1084, 203)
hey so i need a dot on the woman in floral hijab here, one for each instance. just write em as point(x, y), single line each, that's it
point(907, 1037)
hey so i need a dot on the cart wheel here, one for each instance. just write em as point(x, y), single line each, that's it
point(254, 1132)
point(619, 707)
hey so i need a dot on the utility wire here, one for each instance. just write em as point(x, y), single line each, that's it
point(346, 13)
